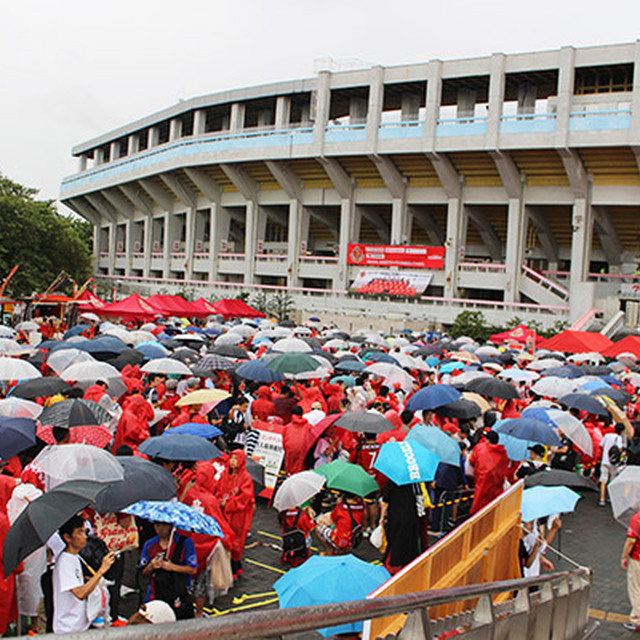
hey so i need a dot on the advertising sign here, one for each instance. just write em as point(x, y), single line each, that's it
point(391, 283)
point(269, 450)
point(395, 255)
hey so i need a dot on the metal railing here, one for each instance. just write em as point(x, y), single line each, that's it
point(559, 610)
point(550, 285)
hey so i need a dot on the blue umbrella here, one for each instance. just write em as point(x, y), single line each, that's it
point(528, 429)
point(583, 402)
point(177, 514)
point(432, 397)
point(193, 329)
point(153, 351)
point(436, 441)
point(199, 429)
point(379, 356)
point(516, 449)
point(75, 331)
point(351, 366)
point(567, 371)
point(105, 345)
point(257, 371)
point(432, 361)
point(75, 344)
point(593, 385)
point(451, 366)
point(406, 462)
point(179, 447)
point(16, 435)
point(329, 579)
point(540, 502)
point(348, 381)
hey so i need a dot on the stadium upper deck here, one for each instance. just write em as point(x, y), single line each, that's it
point(524, 167)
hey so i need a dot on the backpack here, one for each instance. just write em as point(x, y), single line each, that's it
point(172, 587)
point(615, 455)
point(294, 542)
point(357, 530)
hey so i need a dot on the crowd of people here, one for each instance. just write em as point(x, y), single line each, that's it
point(363, 374)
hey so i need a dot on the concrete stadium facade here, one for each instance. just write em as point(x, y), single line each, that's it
point(524, 167)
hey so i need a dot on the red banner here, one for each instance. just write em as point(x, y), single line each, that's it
point(395, 255)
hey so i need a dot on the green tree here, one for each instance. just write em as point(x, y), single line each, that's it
point(281, 305)
point(40, 240)
point(472, 324)
point(260, 301)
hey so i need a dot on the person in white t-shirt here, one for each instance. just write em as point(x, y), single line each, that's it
point(609, 469)
point(70, 591)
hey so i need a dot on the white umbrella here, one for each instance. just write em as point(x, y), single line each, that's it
point(335, 343)
point(554, 387)
point(297, 489)
point(78, 462)
point(189, 337)
point(6, 332)
point(119, 332)
point(15, 369)
point(88, 315)
point(627, 355)
point(243, 330)
point(11, 347)
point(573, 429)
point(411, 362)
point(519, 375)
point(302, 331)
point(593, 357)
point(624, 491)
point(291, 345)
point(487, 350)
point(229, 338)
point(28, 325)
point(167, 366)
point(468, 376)
point(149, 326)
point(63, 358)
point(392, 375)
point(19, 408)
point(140, 337)
point(633, 378)
point(545, 363)
point(323, 371)
point(90, 372)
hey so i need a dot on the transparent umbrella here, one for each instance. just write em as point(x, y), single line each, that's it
point(19, 408)
point(297, 489)
point(15, 369)
point(64, 358)
point(624, 491)
point(167, 366)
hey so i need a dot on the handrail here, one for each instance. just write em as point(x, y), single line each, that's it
point(481, 266)
point(529, 116)
point(282, 622)
point(545, 282)
point(600, 112)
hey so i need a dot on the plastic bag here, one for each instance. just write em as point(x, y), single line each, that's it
point(219, 562)
point(378, 539)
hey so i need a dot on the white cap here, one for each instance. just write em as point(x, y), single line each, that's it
point(157, 612)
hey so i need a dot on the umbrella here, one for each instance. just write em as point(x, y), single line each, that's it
point(186, 355)
point(96, 435)
point(40, 388)
point(75, 331)
point(432, 397)
point(392, 375)
point(143, 480)
point(462, 409)
point(297, 489)
point(406, 462)
point(230, 337)
point(16, 435)
point(291, 345)
point(345, 476)
point(177, 514)
point(568, 424)
point(213, 362)
point(559, 477)
point(88, 315)
point(167, 366)
point(293, 363)
point(378, 356)
point(27, 325)
point(75, 413)
point(583, 402)
point(152, 350)
point(16, 369)
point(624, 492)
point(553, 387)
point(201, 396)
point(539, 502)
point(493, 388)
point(256, 471)
point(477, 399)
point(207, 431)
point(17, 408)
point(365, 421)
point(436, 441)
point(230, 351)
point(63, 358)
point(181, 447)
point(78, 462)
point(42, 517)
point(528, 429)
point(328, 579)
point(351, 366)
point(448, 367)
point(90, 372)
point(257, 371)
point(518, 375)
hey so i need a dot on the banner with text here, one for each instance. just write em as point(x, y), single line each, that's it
point(390, 283)
point(395, 255)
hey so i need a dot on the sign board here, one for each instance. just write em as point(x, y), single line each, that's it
point(223, 246)
point(269, 450)
point(630, 290)
point(303, 247)
point(388, 255)
point(391, 283)
point(260, 246)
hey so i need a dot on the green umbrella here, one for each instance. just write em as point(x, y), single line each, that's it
point(293, 363)
point(348, 477)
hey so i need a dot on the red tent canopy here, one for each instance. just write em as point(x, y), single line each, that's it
point(174, 306)
point(577, 342)
point(234, 308)
point(630, 344)
point(89, 302)
point(520, 334)
point(205, 307)
point(132, 307)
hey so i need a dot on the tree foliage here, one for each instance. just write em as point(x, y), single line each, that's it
point(40, 240)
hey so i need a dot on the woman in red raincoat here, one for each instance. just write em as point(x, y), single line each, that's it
point(235, 492)
point(8, 602)
point(133, 427)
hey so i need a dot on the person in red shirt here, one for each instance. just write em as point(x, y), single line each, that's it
point(335, 529)
point(295, 440)
point(491, 465)
point(263, 408)
point(365, 455)
point(630, 562)
point(302, 519)
point(96, 391)
point(133, 427)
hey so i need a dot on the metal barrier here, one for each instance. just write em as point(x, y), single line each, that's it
point(558, 609)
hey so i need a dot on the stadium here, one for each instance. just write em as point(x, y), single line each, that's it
point(508, 184)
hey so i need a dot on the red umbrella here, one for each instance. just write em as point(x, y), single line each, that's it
point(319, 428)
point(96, 435)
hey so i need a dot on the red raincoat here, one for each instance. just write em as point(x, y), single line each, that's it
point(491, 466)
point(133, 427)
point(295, 439)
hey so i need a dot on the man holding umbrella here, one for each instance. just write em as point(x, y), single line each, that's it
point(630, 562)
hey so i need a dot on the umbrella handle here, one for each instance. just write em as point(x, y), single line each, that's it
point(168, 554)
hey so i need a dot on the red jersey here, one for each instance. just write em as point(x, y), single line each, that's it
point(341, 534)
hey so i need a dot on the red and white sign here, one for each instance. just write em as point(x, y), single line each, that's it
point(395, 255)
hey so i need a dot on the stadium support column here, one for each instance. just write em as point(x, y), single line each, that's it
point(516, 226)
point(166, 245)
point(297, 232)
point(455, 225)
point(148, 239)
point(112, 247)
point(219, 221)
point(128, 246)
point(189, 237)
point(347, 217)
point(250, 241)
point(581, 291)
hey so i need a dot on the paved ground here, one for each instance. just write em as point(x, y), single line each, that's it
point(590, 537)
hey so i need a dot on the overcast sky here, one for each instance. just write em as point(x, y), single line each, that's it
point(73, 69)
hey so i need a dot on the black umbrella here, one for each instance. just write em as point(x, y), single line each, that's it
point(365, 421)
point(37, 359)
point(596, 370)
point(186, 355)
point(559, 478)
point(143, 480)
point(493, 388)
point(42, 517)
point(179, 447)
point(229, 351)
point(74, 413)
point(330, 358)
point(256, 471)
point(314, 343)
point(583, 402)
point(40, 387)
point(128, 356)
point(620, 397)
point(462, 409)
point(16, 435)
